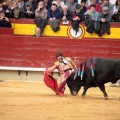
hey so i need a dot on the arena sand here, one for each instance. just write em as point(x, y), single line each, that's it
point(20, 100)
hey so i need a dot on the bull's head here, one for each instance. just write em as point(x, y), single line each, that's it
point(74, 85)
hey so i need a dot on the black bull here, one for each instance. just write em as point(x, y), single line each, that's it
point(94, 72)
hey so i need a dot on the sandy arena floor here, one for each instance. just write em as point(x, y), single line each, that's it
point(34, 101)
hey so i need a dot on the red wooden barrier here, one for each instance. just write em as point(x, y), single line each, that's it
point(6, 31)
point(20, 51)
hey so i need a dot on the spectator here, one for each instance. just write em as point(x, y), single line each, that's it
point(104, 18)
point(8, 3)
point(116, 15)
point(2, 6)
point(34, 4)
point(71, 5)
point(83, 7)
point(4, 21)
point(59, 4)
point(116, 7)
point(77, 17)
point(65, 14)
point(41, 16)
point(47, 3)
point(37, 32)
point(53, 17)
point(109, 5)
point(28, 11)
point(91, 19)
point(20, 4)
point(98, 7)
point(14, 11)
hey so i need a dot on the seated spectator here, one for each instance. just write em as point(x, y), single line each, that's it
point(116, 12)
point(37, 32)
point(8, 3)
point(2, 6)
point(98, 7)
point(71, 5)
point(65, 14)
point(41, 16)
point(59, 4)
point(4, 21)
point(91, 19)
point(104, 18)
point(116, 7)
point(28, 11)
point(33, 3)
point(77, 17)
point(47, 3)
point(83, 6)
point(14, 11)
point(53, 17)
point(109, 5)
point(20, 4)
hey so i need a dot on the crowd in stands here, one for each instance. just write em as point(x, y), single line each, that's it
point(96, 13)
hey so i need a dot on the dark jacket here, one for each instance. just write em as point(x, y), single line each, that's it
point(80, 15)
point(52, 14)
point(14, 13)
point(68, 15)
point(4, 23)
point(26, 15)
point(75, 24)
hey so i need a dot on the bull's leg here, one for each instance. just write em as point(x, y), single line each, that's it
point(102, 88)
point(84, 91)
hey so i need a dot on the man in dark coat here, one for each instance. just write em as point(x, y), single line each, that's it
point(4, 21)
point(77, 17)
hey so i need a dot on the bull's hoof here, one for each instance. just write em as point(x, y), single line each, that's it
point(105, 98)
point(82, 97)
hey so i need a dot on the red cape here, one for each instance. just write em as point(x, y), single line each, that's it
point(51, 82)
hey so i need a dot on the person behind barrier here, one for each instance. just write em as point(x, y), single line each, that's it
point(21, 4)
point(59, 4)
point(98, 7)
point(53, 17)
point(104, 19)
point(65, 15)
point(2, 6)
point(47, 3)
point(28, 11)
point(109, 5)
point(77, 17)
point(4, 21)
point(41, 16)
point(116, 13)
point(91, 18)
point(14, 11)
point(37, 32)
point(71, 5)
point(64, 65)
point(83, 6)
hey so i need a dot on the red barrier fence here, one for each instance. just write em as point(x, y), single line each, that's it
point(23, 51)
